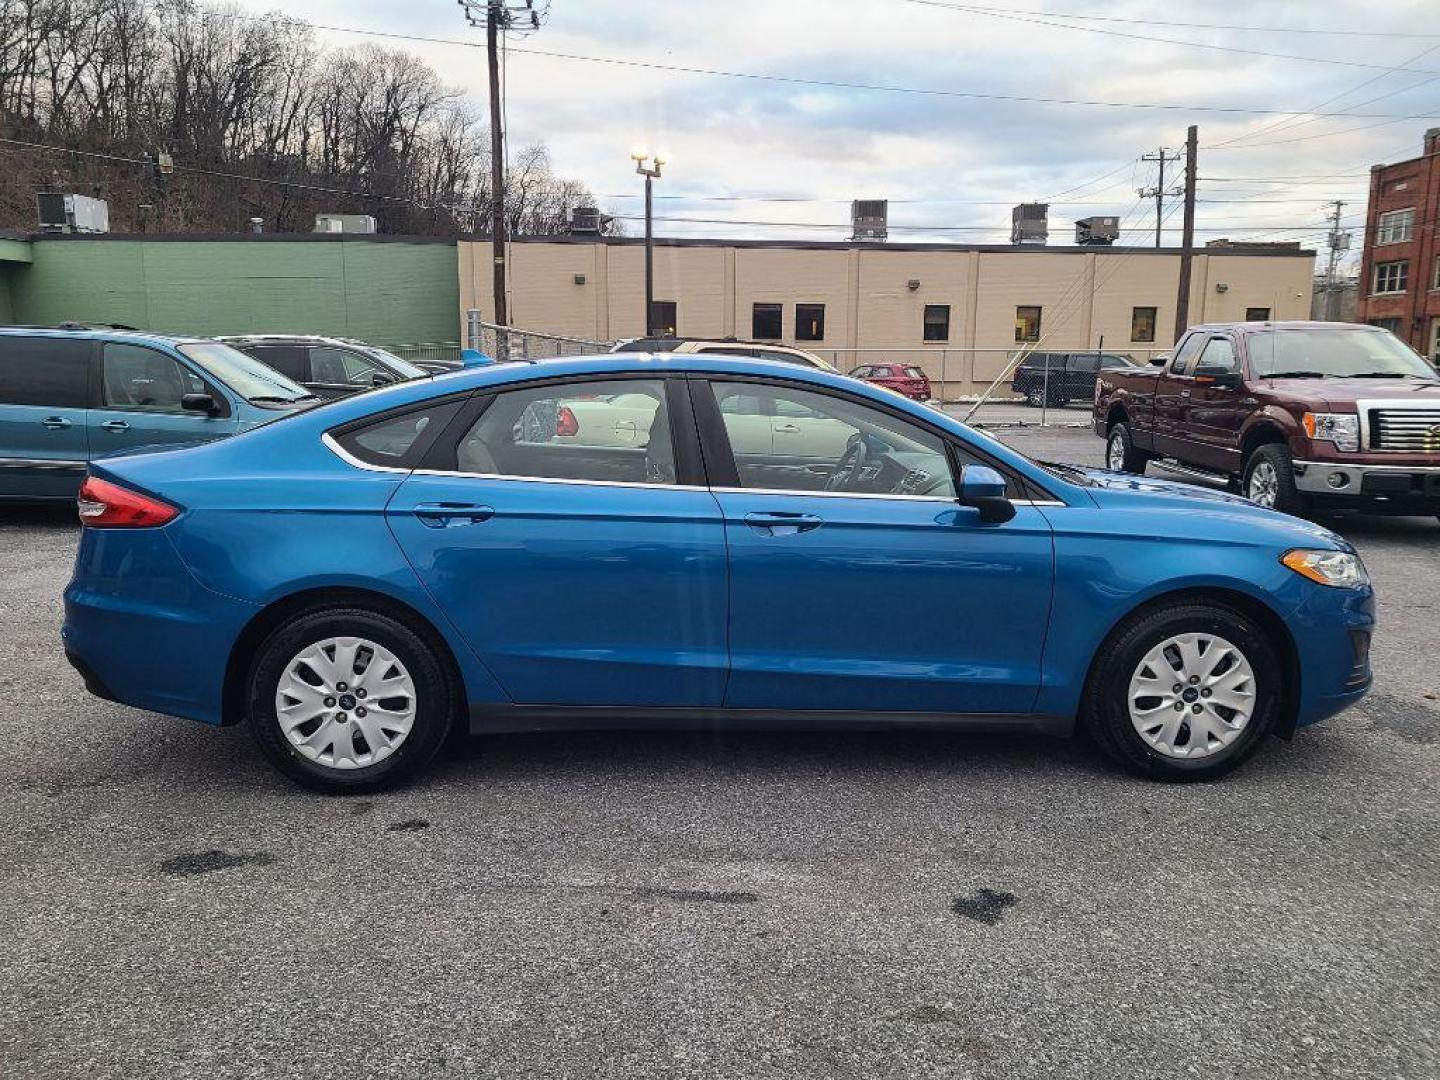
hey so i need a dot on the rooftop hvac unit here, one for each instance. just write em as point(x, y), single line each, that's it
point(1028, 223)
point(868, 219)
point(1097, 230)
point(585, 221)
point(344, 223)
point(64, 213)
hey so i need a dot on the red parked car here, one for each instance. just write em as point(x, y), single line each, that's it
point(904, 379)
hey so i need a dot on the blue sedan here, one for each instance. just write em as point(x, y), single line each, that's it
point(633, 540)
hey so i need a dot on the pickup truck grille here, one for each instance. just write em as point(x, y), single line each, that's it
point(1405, 429)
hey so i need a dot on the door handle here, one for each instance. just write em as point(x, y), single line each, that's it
point(443, 515)
point(1184, 393)
point(116, 425)
point(787, 429)
point(55, 423)
point(781, 523)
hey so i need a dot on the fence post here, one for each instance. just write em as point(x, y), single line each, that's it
point(944, 355)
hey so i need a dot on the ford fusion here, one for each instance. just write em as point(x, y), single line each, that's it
point(634, 540)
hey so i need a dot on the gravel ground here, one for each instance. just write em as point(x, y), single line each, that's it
point(635, 905)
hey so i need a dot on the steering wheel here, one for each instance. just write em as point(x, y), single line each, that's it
point(848, 468)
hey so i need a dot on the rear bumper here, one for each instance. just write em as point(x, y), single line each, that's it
point(142, 631)
point(1396, 489)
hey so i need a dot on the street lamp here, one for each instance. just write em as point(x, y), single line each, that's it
point(651, 174)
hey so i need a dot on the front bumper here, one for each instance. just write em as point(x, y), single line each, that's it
point(1399, 489)
point(1332, 630)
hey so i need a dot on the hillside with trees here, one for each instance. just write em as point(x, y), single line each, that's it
point(191, 119)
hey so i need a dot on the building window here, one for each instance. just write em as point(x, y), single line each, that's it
point(1393, 325)
point(765, 322)
point(936, 326)
point(1391, 277)
point(1142, 324)
point(662, 318)
point(1027, 323)
point(1435, 274)
point(1257, 314)
point(1395, 226)
point(809, 322)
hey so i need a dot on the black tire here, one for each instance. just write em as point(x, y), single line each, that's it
point(1276, 457)
point(1035, 395)
point(1105, 713)
point(436, 699)
point(1134, 461)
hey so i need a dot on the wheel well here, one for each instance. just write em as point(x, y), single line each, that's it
point(1263, 616)
point(1258, 436)
point(1116, 415)
point(242, 654)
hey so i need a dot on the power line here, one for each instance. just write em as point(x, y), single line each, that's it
point(1190, 25)
point(995, 13)
point(651, 65)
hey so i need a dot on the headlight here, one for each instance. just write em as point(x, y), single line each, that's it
point(1337, 568)
point(1342, 429)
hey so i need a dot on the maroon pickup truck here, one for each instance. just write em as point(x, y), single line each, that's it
point(1300, 415)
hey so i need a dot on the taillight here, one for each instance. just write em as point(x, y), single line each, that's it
point(565, 422)
point(104, 505)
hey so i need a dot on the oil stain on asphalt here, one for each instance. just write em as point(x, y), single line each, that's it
point(703, 895)
point(986, 905)
point(205, 862)
point(408, 825)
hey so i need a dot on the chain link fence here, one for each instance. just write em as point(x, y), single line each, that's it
point(1033, 384)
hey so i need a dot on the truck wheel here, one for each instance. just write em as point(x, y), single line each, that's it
point(1270, 480)
point(1034, 396)
point(1120, 452)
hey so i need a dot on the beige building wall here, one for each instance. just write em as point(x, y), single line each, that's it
point(871, 311)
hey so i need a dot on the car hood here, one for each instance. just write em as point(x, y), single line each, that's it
point(1340, 395)
point(1123, 490)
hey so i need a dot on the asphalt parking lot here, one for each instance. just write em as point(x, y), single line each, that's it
point(696, 905)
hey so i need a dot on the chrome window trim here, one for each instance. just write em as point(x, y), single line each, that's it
point(57, 464)
point(558, 480)
point(797, 492)
point(350, 459)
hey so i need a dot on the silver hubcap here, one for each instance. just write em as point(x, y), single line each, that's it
point(1116, 456)
point(1264, 484)
point(345, 702)
point(1192, 695)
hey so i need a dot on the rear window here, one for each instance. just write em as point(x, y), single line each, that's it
point(48, 372)
point(394, 441)
point(914, 373)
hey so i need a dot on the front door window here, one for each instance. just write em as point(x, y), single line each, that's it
point(137, 378)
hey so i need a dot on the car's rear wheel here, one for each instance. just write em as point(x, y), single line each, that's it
point(1035, 396)
point(1120, 452)
point(1184, 693)
point(1270, 480)
point(349, 700)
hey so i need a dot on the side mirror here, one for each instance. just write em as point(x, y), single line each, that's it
point(1227, 379)
point(984, 488)
point(1159, 359)
point(380, 379)
point(205, 403)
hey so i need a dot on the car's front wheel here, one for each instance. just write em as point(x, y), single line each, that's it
point(1185, 692)
point(349, 700)
point(1269, 480)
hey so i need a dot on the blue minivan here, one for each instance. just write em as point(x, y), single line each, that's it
point(68, 396)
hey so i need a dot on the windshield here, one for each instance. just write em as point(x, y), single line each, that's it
point(244, 374)
point(1339, 354)
point(403, 368)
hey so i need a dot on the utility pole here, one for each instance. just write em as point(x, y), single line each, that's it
point(1187, 249)
point(499, 18)
point(493, 15)
point(1161, 157)
point(1339, 241)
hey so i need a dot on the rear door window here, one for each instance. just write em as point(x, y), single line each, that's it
point(394, 441)
point(46, 372)
point(286, 359)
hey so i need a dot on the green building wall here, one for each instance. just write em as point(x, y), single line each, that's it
point(383, 290)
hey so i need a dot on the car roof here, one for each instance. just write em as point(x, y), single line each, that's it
point(309, 339)
point(1286, 324)
point(101, 334)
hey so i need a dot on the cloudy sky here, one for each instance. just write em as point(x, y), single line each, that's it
point(951, 164)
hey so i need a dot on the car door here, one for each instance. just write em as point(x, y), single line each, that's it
point(1217, 406)
point(579, 574)
point(1080, 371)
point(138, 403)
point(1173, 390)
point(44, 384)
point(883, 594)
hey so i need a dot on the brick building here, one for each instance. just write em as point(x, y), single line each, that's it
point(1400, 264)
